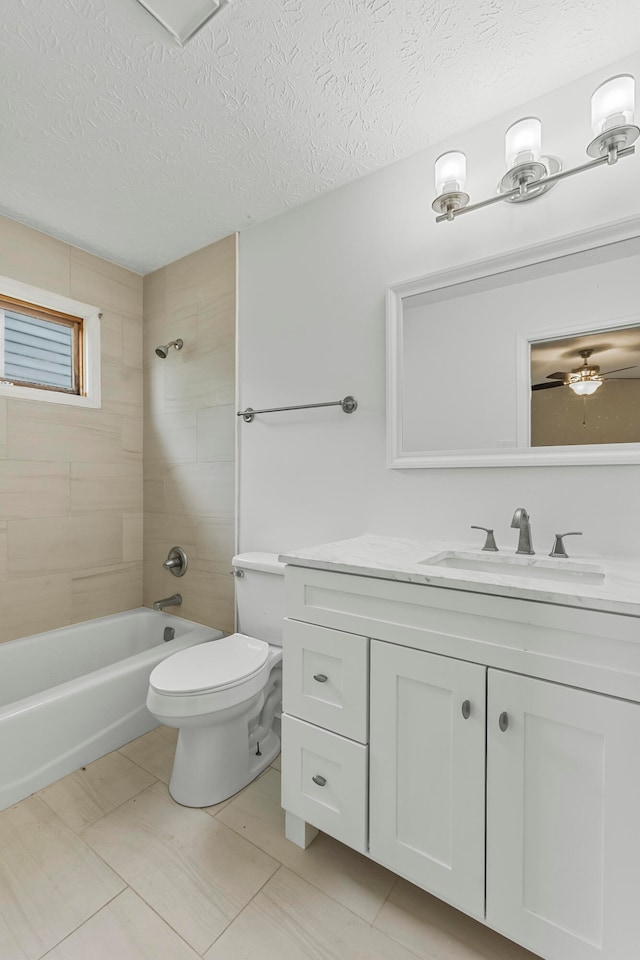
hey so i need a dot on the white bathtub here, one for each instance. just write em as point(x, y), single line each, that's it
point(71, 695)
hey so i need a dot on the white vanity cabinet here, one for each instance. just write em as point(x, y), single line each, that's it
point(427, 769)
point(502, 750)
point(563, 804)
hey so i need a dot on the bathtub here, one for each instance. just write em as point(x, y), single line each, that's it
point(71, 695)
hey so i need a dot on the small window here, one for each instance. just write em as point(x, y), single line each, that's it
point(49, 346)
point(40, 347)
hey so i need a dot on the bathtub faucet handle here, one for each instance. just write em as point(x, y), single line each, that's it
point(176, 562)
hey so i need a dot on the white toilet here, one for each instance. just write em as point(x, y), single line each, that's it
point(224, 695)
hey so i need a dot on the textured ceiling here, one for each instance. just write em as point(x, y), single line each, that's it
point(118, 140)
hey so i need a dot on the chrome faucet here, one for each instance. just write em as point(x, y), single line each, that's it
point(173, 601)
point(521, 520)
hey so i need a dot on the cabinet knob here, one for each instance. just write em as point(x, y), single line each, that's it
point(466, 709)
point(503, 720)
point(319, 780)
point(320, 677)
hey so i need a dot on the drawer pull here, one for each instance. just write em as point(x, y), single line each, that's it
point(319, 780)
point(503, 720)
point(466, 709)
point(320, 677)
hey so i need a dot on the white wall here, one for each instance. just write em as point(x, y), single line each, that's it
point(312, 285)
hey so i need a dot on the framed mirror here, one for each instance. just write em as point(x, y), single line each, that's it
point(528, 358)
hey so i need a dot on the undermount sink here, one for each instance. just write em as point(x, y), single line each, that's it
point(525, 567)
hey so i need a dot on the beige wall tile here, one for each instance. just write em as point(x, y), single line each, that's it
point(3, 428)
point(34, 489)
point(209, 598)
point(132, 536)
point(121, 389)
point(33, 605)
point(207, 380)
point(132, 438)
point(111, 337)
point(202, 275)
point(154, 286)
point(107, 269)
point(171, 437)
point(32, 257)
point(105, 591)
point(217, 321)
point(217, 433)
point(3, 548)
point(63, 544)
point(162, 531)
point(96, 487)
point(49, 432)
point(153, 487)
point(200, 489)
point(215, 545)
point(107, 292)
point(132, 339)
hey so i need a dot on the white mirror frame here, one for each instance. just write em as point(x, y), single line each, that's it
point(522, 455)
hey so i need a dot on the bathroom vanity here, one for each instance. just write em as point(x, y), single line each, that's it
point(477, 732)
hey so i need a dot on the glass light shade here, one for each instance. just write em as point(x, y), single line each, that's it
point(584, 388)
point(451, 173)
point(612, 104)
point(523, 142)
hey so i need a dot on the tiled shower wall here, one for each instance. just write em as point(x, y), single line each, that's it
point(189, 429)
point(71, 479)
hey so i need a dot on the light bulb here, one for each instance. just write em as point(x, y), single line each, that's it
point(451, 173)
point(612, 104)
point(523, 142)
point(584, 388)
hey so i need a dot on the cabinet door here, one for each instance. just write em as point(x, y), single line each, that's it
point(427, 771)
point(563, 803)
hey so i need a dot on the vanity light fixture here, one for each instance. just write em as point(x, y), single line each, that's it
point(530, 173)
point(182, 18)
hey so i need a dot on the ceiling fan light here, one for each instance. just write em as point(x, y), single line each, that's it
point(585, 388)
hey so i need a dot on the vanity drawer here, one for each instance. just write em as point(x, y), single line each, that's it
point(324, 781)
point(325, 676)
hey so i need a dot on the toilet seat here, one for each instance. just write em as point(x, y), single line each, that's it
point(210, 667)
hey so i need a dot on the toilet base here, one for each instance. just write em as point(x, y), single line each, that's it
point(212, 764)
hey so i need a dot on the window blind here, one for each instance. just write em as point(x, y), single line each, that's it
point(38, 351)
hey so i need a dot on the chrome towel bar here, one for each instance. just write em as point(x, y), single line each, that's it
point(349, 405)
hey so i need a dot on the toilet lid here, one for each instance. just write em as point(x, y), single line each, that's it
point(211, 665)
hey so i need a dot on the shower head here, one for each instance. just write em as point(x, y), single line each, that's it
point(163, 351)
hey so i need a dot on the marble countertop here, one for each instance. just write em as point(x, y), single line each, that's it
point(392, 558)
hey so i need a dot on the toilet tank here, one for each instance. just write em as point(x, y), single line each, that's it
point(260, 596)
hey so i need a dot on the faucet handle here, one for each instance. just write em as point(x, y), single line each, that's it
point(490, 542)
point(558, 549)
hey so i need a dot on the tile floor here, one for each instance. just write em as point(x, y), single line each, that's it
point(103, 865)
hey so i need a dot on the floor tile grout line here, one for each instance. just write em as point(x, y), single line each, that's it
point(43, 956)
point(392, 888)
point(240, 912)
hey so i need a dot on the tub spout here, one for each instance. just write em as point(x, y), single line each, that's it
point(173, 601)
